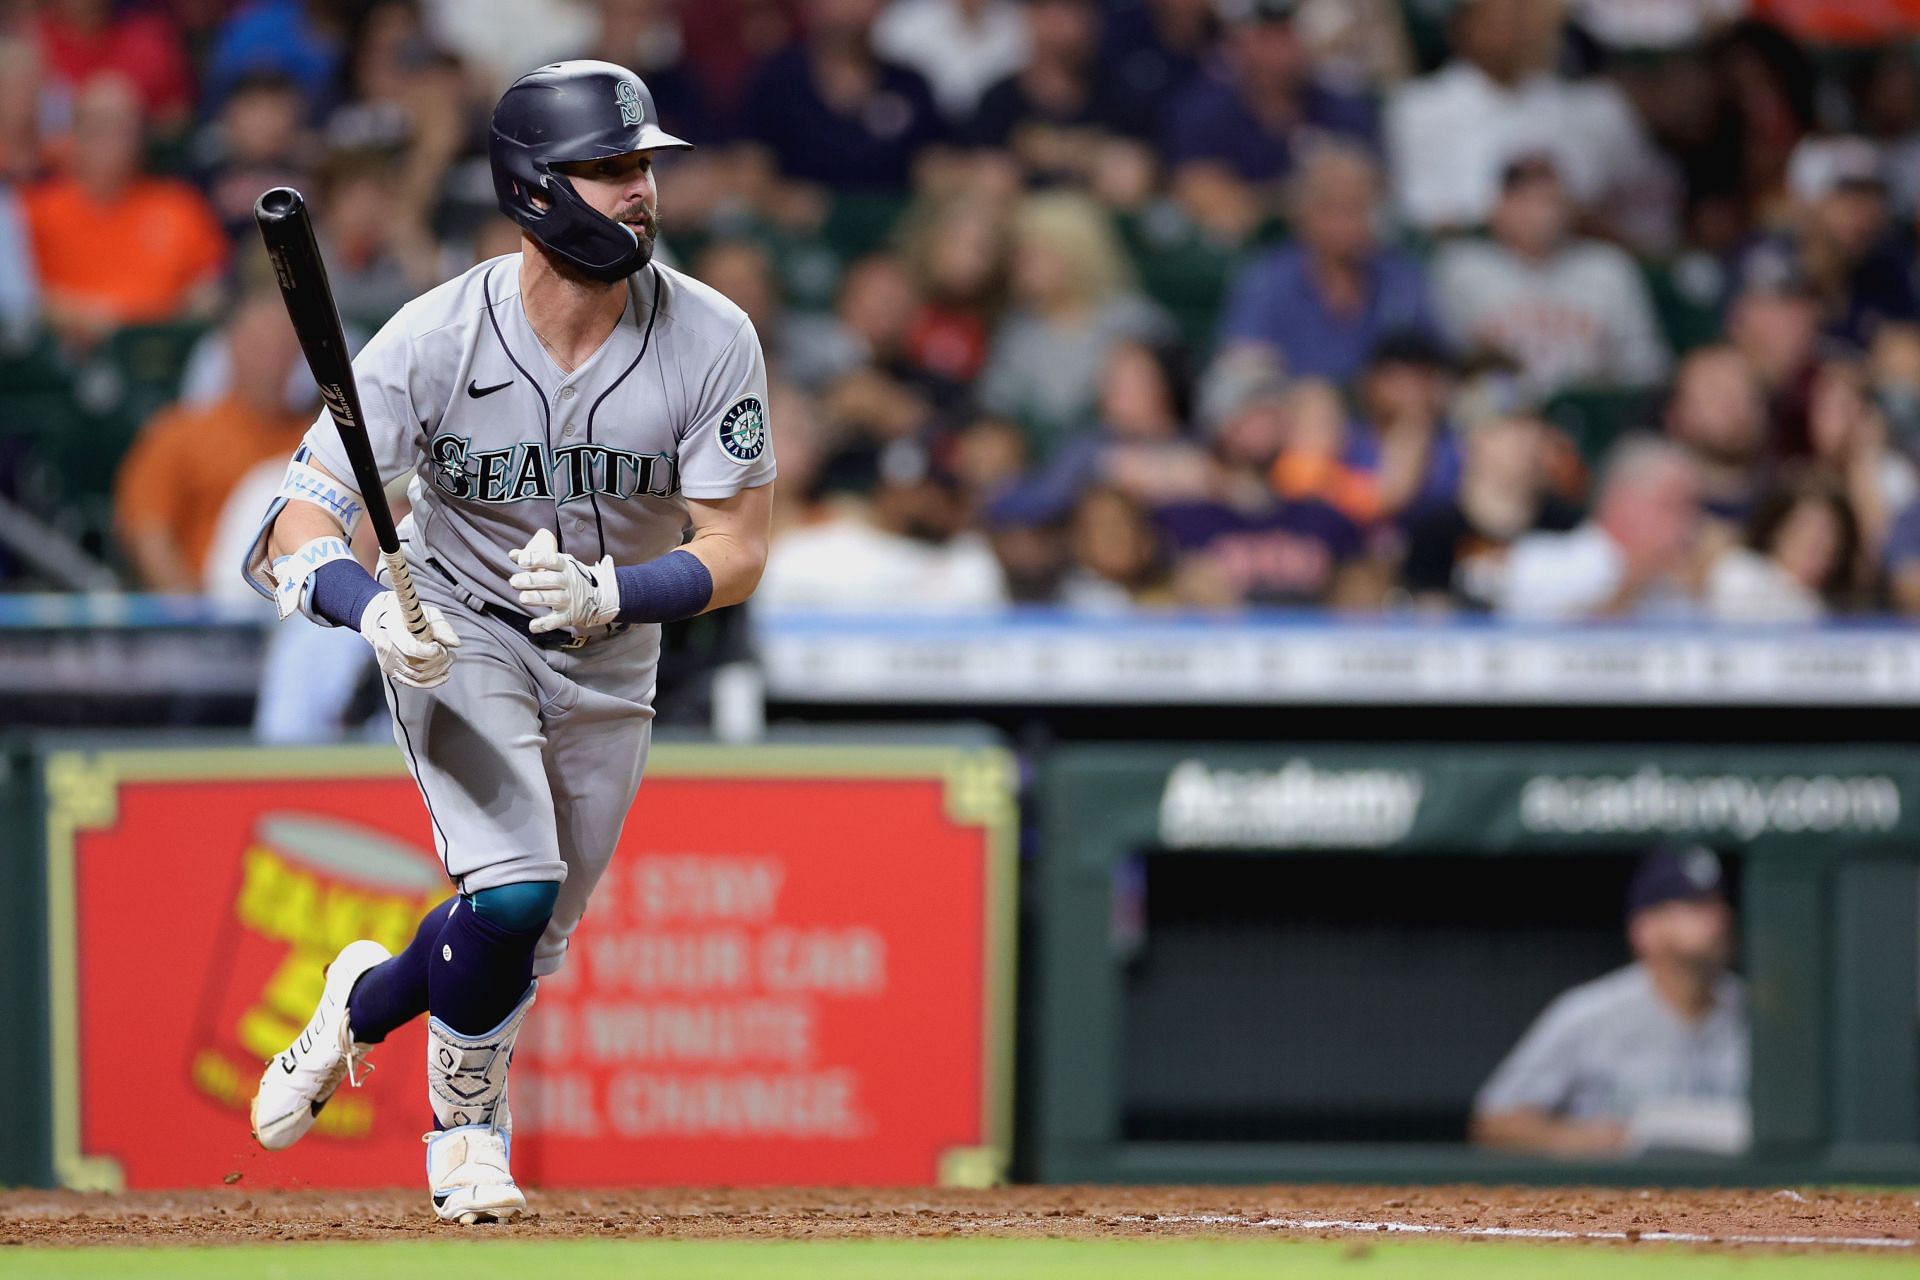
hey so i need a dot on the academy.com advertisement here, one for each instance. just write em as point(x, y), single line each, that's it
point(1471, 798)
point(782, 979)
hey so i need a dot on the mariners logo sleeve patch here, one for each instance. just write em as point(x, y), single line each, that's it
point(743, 431)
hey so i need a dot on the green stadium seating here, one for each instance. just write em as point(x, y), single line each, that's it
point(1182, 270)
point(1597, 416)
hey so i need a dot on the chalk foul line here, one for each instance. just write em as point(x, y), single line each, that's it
point(1512, 1233)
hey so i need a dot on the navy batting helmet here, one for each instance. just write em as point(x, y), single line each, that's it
point(566, 112)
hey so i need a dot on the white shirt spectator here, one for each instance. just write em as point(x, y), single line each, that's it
point(505, 39)
point(962, 55)
point(847, 564)
point(234, 534)
point(1580, 318)
point(1745, 586)
point(309, 672)
point(1565, 577)
point(1655, 24)
point(1451, 133)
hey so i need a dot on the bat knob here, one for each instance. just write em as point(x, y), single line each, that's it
point(278, 204)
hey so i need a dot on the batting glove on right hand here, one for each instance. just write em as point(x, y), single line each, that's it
point(424, 664)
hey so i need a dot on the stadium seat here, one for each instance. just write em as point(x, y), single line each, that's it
point(1594, 417)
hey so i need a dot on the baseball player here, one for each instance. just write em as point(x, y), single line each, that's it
point(566, 414)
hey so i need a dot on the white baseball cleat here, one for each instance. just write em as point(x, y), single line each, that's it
point(468, 1175)
point(297, 1084)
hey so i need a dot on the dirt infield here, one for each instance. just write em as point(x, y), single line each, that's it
point(1756, 1219)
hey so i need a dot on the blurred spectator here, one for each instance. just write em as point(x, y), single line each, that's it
point(962, 47)
point(1900, 561)
point(1840, 248)
point(1457, 549)
point(112, 245)
point(502, 40)
point(1848, 436)
point(904, 547)
point(743, 271)
point(1887, 98)
point(1072, 301)
point(1315, 465)
point(1151, 49)
point(294, 38)
point(19, 291)
point(1717, 414)
point(1136, 445)
point(174, 482)
point(20, 154)
point(1356, 45)
point(1572, 312)
point(379, 255)
point(728, 40)
point(1053, 111)
point(1325, 300)
point(1767, 89)
point(1250, 113)
point(1452, 134)
point(255, 142)
point(1796, 562)
point(1894, 363)
point(1632, 558)
point(81, 39)
point(1655, 1055)
point(408, 98)
point(1402, 437)
point(1237, 542)
point(1117, 559)
point(868, 336)
point(958, 251)
point(829, 110)
point(1775, 322)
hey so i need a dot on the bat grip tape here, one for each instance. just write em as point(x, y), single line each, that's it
point(410, 610)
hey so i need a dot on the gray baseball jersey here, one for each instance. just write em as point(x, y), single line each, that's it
point(1611, 1049)
point(502, 443)
point(528, 758)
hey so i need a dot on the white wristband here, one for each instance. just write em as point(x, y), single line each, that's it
point(292, 574)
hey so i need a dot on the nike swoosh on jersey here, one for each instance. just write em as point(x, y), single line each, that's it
point(475, 390)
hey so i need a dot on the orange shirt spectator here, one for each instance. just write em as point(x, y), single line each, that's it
point(1845, 22)
point(138, 256)
point(80, 39)
point(112, 245)
point(179, 472)
point(176, 478)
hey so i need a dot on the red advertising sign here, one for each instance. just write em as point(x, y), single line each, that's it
point(795, 972)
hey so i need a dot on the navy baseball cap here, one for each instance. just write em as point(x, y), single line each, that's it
point(1675, 873)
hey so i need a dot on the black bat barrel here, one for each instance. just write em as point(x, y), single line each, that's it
point(288, 231)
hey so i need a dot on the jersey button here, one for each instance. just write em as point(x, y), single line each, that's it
point(566, 393)
point(567, 430)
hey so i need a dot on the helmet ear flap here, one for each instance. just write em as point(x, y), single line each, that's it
point(585, 237)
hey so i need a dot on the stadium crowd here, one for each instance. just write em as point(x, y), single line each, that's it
point(1543, 309)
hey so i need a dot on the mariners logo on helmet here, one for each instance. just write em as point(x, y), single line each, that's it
point(743, 432)
point(631, 113)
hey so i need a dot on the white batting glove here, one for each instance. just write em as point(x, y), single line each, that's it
point(402, 655)
point(577, 595)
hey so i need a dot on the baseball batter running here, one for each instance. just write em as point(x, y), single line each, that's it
point(567, 415)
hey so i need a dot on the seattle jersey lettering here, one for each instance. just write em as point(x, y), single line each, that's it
point(530, 470)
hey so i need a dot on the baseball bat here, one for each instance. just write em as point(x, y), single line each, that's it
point(288, 230)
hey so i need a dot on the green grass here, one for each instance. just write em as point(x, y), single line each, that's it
point(943, 1260)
